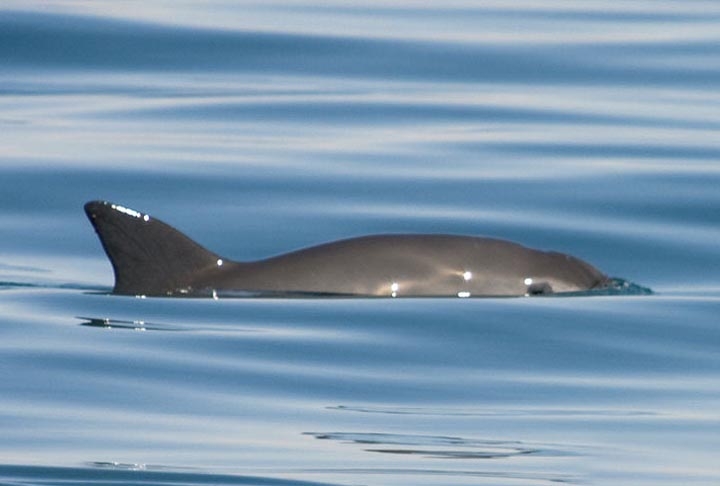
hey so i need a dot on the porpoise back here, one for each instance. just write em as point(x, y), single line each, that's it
point(150, 257)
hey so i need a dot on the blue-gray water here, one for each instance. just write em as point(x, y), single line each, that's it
point(584, 127)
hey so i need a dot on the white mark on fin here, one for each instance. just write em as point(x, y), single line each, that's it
point(464, 294)
point(394, 288)
point(219, 262)
point(528, 281)
point(128, 211)
point(146, 218)
point(467, 276)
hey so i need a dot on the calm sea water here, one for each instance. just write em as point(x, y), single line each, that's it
point(586, 127)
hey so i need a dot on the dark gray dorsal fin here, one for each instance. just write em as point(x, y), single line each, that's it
point(148, 256)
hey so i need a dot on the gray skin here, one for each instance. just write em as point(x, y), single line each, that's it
point(151, 258)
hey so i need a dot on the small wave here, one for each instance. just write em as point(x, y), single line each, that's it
point(82, 42)
point(534, 478)
point(139, 325)
point(143, 325)
point(618, 286)
point(506, 412)
point(22, 268)
point(439, 447)
point(137, 474)
point(9, 285)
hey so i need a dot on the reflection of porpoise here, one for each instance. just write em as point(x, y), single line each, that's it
point(151, 258)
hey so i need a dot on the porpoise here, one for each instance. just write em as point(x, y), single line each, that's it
point(151, 258)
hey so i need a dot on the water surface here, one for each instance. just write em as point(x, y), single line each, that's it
point(588, 128)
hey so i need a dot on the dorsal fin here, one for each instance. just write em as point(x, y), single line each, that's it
point(148, 256)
